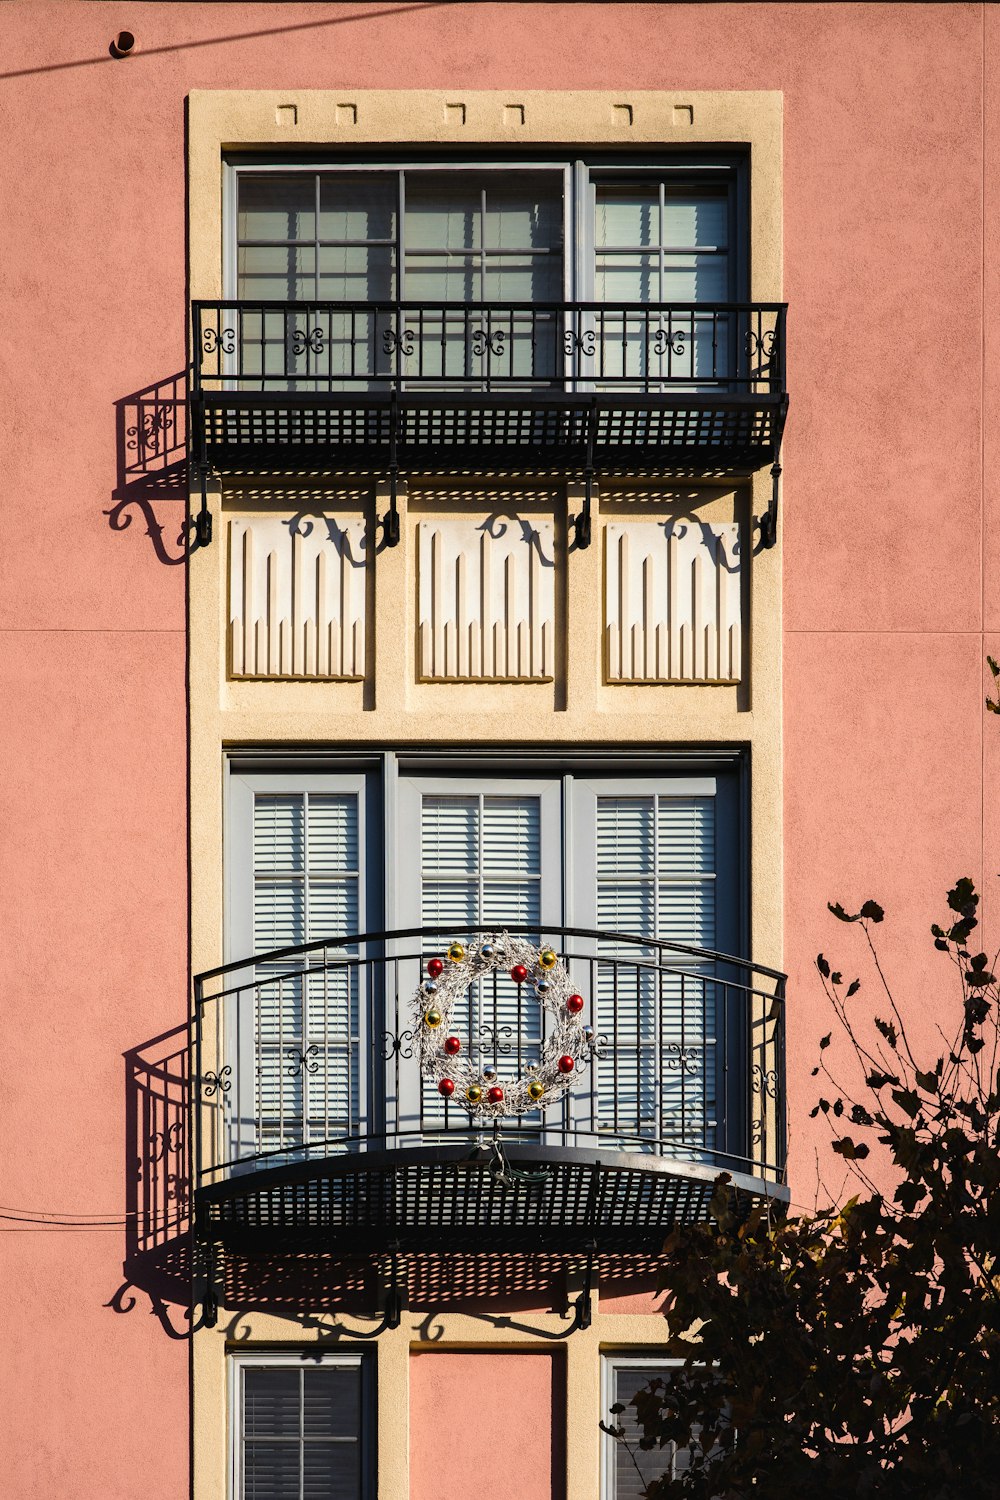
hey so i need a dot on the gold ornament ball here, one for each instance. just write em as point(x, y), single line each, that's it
point(473, 1093)
point(547, 959)
point(536, 1088)
point(456, 952)
point(432, 1018)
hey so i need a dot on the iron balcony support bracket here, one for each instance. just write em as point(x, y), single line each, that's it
point(391, 522)
point(769, 520)
point(203, 520)
point(583, 521)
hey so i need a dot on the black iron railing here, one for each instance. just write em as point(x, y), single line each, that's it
point(337, 347)
point(306, 1054)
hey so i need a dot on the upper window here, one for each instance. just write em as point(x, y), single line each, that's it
point(498, 233)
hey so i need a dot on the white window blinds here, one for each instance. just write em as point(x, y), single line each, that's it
point(306, 887)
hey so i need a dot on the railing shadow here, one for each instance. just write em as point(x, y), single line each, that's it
point(158, 1235)
point(151, 464)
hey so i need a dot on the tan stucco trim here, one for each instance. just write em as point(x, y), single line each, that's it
point(395, 709)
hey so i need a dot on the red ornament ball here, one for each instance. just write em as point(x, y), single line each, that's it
point(574, 1004)
point(452, 1045)
point(495, 1095)
point(446, 1087)
point(434, 967)
point(519, 973)
point(565, 1063)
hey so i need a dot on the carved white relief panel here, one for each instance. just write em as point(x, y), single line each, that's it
point(297, 597)
point(487, 599)
point(672, 601)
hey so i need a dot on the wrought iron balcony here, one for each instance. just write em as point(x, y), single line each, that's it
point(315, 1129)
point(530, 387)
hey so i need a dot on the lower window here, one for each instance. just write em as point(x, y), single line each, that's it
point(303, 1429)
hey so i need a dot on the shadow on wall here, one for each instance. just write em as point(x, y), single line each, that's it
point(151, 467)
point(158, 1234)
point(315, 1289)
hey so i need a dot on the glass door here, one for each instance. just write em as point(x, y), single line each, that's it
point(480, 853)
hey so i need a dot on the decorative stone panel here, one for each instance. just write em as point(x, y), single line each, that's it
point(297, 597)
point(672, 601)
point(486, 599)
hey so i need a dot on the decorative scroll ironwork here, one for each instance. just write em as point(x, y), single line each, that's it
point(397, 1044)
point(213, 1083)
point(583, 343)
point(308, 339)
point(302, 1062)
point(764, 1081)
point(489, 1038)
point(219, 340)
point(401, 341)
point(668, 341)
point(483, 339)
point(761, 344)
point(677, 1056)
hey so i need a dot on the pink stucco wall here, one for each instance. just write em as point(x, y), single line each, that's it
point(891, 516)
point(474, 1414)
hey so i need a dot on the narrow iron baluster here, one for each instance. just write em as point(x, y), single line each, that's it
point(615, 1034)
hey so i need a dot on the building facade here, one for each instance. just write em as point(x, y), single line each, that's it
point(521, 480)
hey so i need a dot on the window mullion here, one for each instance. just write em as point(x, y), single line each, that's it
point(302, 1434)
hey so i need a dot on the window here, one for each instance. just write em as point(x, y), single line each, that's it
point(316, 856)
point(628, 1470)
point(302, 1429)
point(516, 238)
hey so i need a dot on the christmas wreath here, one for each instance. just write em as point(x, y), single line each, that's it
point(478, 1086)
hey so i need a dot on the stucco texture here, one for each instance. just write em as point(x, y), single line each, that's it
point(890, 512)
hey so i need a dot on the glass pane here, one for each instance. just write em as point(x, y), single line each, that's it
point(279, 914)
point(356, 207)
point(282, 273)
point(277, 208)
point(627, 278)
point(687, 835)
point(333, 833)
point(696, 278)
point(628, 216)
point(530, 278)
point(450, 834)
point(278, 824)
point(271, 1403)
point(511, 835)
point(696, 221)
point(630, 1482)
point(356, 273)
point(442, 278)
point(331, 1471)
point(442, 213)
point(271, 1471)
point(625, 836)
point(523, 215)
point(332, 1403)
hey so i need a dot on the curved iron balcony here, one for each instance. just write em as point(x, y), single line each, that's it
point(314, 1128)
point(676, 389)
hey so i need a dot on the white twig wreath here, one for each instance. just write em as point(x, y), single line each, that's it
point(444, 1056)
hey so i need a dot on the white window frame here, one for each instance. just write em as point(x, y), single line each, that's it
point(579, 177)
point(656, 1364)
point(295, 1359)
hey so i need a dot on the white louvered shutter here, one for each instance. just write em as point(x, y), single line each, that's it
point(481, 865)
point(633, 1469)
point(306, 862)
point(656, 876)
